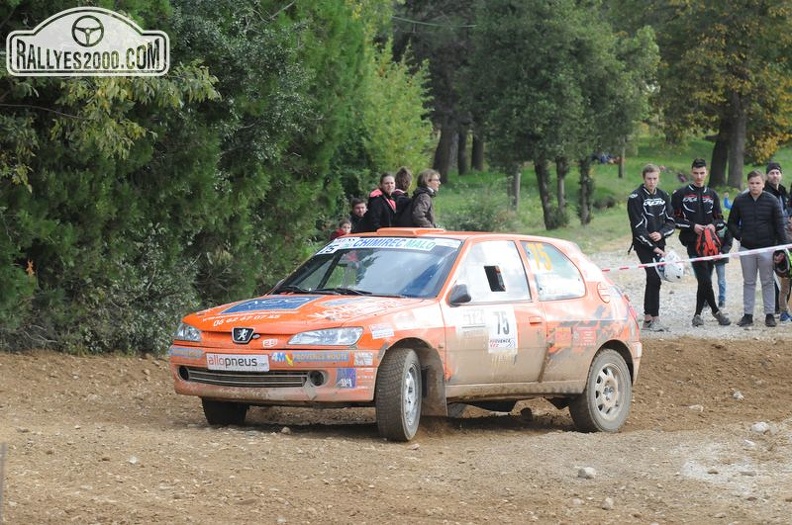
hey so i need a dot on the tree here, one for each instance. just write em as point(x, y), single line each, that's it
point(72, 197)
point(726, 69)
point(438, 32)
point(552, 83)
point(127, 202)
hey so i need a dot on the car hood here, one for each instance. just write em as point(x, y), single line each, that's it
point(285, 314)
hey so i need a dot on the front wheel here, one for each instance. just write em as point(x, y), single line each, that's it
point(224, 413)
point(605, 403)
point(398, 395)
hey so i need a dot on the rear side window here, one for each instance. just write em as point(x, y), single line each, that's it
point(556, 277)
point(493, 271)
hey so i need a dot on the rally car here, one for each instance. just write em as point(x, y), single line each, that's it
point(412, 321)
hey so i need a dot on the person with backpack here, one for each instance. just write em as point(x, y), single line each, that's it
point(651, 222)
point(401, 194)
point(757, 221)
point(697, 214)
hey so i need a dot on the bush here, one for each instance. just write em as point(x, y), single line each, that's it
point(486, 210)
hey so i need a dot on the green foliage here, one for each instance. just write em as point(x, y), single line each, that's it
point(395, 130)
point(550, 81)
point(477, 208)
point(133, 201)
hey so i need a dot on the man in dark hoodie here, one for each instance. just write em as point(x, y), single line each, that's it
point(422, 211)
point(696, 207)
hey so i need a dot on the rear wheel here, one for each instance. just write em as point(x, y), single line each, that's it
point(398, 395)
point(605, 403)
point(224, 413)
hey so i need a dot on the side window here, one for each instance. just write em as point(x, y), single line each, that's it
point(556, 276)
point(493, 271)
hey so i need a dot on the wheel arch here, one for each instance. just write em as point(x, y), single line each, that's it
point(624, 351)
point(432, 376)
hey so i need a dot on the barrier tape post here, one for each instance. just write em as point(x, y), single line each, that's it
point(735, 255)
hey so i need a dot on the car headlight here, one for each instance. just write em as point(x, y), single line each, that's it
point(329, 337)
point(186, 332)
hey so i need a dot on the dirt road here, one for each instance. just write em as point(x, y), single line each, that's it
point(105, 440)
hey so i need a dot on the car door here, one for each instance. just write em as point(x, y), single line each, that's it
point(498, 336)
point(571, 317)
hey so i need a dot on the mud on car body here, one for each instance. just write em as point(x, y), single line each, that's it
point(412, 321)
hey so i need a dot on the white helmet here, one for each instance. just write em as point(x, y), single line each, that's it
point(673, 270)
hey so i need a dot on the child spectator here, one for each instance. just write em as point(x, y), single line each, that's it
point(344, 227)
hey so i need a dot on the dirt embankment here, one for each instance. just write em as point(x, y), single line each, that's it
point(105, 440)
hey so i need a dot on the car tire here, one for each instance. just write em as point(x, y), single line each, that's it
point(398, 395)
point(605, 403)
point(224, 413)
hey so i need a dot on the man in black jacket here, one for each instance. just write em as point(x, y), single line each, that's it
point(697, 207)
point(756, 220)
point(774, 187)
point(651, 222)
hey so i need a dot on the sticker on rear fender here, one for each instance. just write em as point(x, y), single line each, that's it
point(237, 363)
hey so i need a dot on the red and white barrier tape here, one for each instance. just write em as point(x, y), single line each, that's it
point(736, 254)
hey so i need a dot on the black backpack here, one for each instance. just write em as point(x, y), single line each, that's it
point(403, 217)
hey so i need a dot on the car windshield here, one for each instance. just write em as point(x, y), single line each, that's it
point(383, 266)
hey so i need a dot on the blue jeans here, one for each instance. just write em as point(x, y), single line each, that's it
point(720, 269)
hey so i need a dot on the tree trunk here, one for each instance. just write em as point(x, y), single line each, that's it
point(622, 160)
point(562, 168)
point(543, 182)
point(462, 156)
point(586, 195)
point(737, 142)
point(720, 154)
point(477, 154)
point(513, 187)
point(442, 156)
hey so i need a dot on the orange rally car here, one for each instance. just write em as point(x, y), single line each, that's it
point(410, 321)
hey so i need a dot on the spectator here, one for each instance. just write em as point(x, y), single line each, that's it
point(401, 194)
point(344, 227)
point(727, 240)
point(727, 204)
point(696, 207)
point(756, 220)
point(358, 212)
point(381, 206)
point(651, 221)
point(422, 210)
point(782, 265)
point(774, 187)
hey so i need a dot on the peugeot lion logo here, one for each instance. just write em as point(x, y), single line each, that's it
point(242, 336)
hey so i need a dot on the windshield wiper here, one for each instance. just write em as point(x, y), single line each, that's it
point(291, 288)
point(340, 290)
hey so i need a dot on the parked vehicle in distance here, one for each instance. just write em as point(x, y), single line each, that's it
point(410, 321)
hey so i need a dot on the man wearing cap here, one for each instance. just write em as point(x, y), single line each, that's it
point(696, 208)
point(774, 187)
point(757, 222)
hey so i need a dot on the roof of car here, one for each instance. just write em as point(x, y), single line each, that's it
point(461, 235)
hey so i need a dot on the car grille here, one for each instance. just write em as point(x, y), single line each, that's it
point(275, 379)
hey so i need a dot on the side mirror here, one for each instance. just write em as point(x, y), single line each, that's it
point(459, 295)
